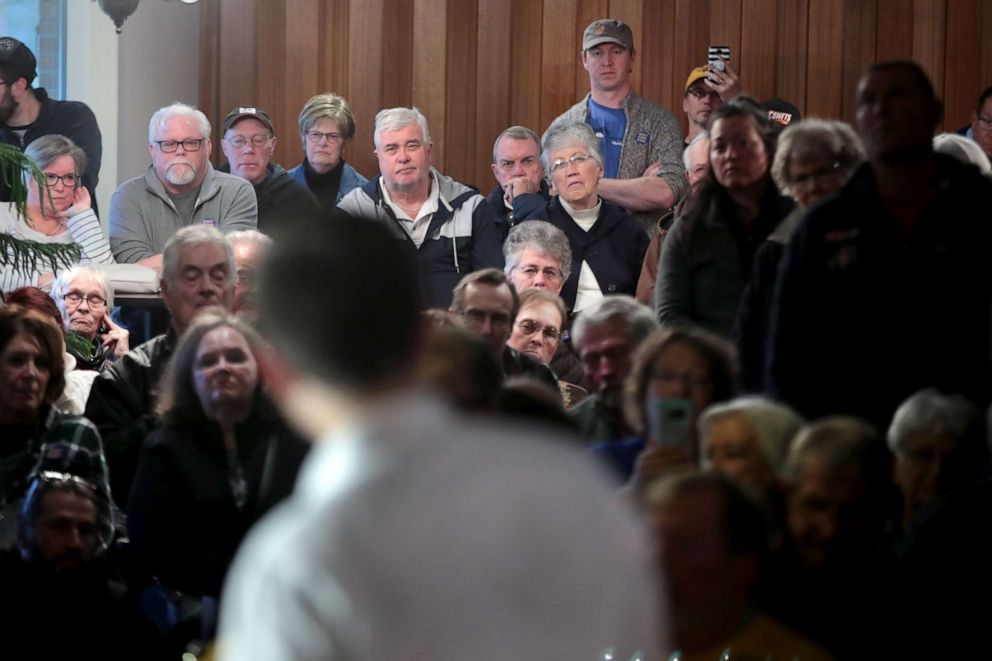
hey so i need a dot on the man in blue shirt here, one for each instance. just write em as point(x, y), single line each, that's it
point(642, 143)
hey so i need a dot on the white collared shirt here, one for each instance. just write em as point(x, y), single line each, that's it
point(415, 227)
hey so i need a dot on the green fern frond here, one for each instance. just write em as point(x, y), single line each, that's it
point(23, 255)
point(13, 165)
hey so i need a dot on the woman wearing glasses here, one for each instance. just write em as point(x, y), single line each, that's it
point(607, 243)
point(85, 297)
point(59, 228)
point(326, 128)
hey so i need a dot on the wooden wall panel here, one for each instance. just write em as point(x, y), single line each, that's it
point(492, 94)
point(824, 80)
point(964, 21)
point(475, 67)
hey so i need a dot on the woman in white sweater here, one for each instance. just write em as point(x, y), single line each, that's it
point(59, 229)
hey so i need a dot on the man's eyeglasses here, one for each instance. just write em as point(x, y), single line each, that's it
point(549, 334)
point(702, 92)
point(74, 298)
point(475, 318)
point(239, 141)
point(70, 180)
point(189, 144)
point(576, 160)
point(316, 136)
point(550, 272)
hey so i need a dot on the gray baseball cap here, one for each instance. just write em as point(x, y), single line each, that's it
point(608, 31)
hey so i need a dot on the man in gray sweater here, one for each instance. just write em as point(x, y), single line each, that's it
point(179, 188)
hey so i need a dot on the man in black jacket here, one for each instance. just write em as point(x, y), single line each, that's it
point(249, 141)
point(28, 113)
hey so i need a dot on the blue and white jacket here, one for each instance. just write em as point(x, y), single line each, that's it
point(463, 236)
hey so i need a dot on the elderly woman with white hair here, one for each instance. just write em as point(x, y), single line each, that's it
point(85, 297)
point(607, 243)
point(59, 228)
point(747, 439)
point(931, 437)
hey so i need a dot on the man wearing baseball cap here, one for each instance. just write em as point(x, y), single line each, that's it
point(248, 143)
point(705, 91)
point(635, 134)
point(28, 113)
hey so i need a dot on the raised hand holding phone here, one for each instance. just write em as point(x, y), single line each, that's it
point(113, 336)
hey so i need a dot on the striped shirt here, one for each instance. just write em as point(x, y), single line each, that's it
point(83, 229)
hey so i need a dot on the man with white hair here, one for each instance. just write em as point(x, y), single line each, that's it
point(180, 188)
point(248, 247)
point(449, 225)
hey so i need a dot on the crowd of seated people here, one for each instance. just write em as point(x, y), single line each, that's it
point(790, 407)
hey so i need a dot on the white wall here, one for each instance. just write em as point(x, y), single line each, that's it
point(125, 78)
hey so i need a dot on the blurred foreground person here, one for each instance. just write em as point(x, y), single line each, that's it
point(414, 532)
point(713, 541)
point(61, 577)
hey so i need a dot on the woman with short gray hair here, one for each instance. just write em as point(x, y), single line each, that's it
point(326, 127)
point(59, 227)
point(85, 297)
point(607, 244)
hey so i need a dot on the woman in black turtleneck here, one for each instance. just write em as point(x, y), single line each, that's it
point(326, 127)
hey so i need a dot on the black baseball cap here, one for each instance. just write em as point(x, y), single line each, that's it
point(17, 60)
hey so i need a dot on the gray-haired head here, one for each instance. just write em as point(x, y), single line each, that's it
point(48, 148)
point(253, 237)
point(774, 425)
point(963, 149)
point(808, 137)
point(515, 133)
point(687, 152)
point(327, 106)
point(541, 236)
point(63, 283)
point(933, 413)
point(177, 109)
point(193, 234)
point(578, 134)
point(640, 318)
point(393, 119)
point(841, 443)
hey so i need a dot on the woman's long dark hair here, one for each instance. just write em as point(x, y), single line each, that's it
point(712, 199)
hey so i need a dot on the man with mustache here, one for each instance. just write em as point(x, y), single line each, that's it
point(180, 188)
point(198, 271)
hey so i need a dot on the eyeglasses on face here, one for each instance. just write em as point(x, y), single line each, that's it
point(239, 141)
point(550, 272)
point(95, 301)
point(549, 334)
point(316, 136)
point(563, 163)
point(70, 180)
point(189, 144)
point(702, 92)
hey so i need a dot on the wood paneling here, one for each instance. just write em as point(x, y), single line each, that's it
point(475, 67)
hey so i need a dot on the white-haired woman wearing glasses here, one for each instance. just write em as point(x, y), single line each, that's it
point(59, 228)
point(85, 297)
point(607, 243)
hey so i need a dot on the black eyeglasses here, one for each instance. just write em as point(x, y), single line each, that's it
point(69, 180)
point(702, 92)
point(189, 144)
